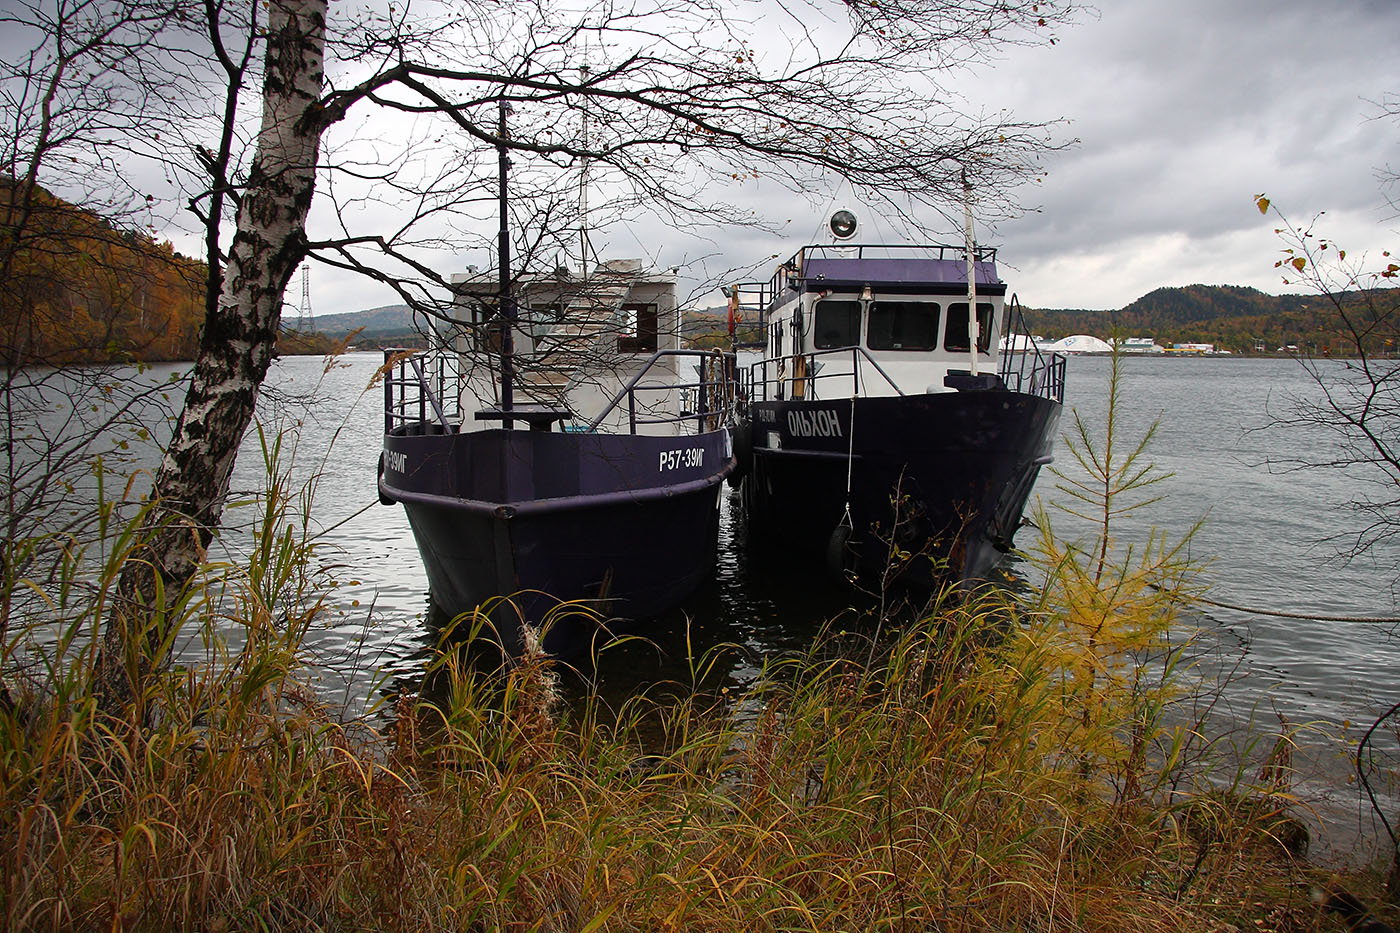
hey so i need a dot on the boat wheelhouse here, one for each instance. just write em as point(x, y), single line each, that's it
point(885, 424)
point(574, 480)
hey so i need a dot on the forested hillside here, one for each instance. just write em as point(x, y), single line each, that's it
point(80, 289)
point(386, 321)
point(1229, 316)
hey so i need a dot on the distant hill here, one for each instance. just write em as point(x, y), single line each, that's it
point(1230, 316)
point(79, 288)
point(394, 322)
point(386, 321)
point(700, 322)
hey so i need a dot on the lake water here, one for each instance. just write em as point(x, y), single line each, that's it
point(1263, 541)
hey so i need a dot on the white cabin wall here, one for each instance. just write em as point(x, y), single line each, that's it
point(840, 375)
point(591, 369)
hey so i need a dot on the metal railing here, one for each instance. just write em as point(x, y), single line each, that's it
point(796, 267)
point(422, 388)
point(759, 296)
point(423, 391)
point(1028, 370)
point(939, 251)
point(714, 392)
point(757, 378)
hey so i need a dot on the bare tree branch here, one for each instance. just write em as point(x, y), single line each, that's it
point(1355, 375)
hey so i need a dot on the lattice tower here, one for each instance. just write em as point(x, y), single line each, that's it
point(305, 324)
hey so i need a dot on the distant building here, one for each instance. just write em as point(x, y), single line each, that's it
point(1196, 349)
point(1020, 343)
point(1080, 345)
point(1145, 345)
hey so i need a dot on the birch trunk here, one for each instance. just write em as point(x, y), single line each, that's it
point(236, 347)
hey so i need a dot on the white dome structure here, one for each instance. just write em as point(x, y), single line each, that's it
point(1078, 345)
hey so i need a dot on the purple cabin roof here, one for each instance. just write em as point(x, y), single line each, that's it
point(901, 271)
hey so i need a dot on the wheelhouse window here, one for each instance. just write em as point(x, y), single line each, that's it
point(903, 325)
point(836, 324)
point(955, 337)
point(553, 311)
point(486, 329)
point(639, 329)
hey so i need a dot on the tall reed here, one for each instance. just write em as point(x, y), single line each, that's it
point(987, 766)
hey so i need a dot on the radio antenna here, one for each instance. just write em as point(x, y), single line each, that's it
point(974, 330)
point(583, 245)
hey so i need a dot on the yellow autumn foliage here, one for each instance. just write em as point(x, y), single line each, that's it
point(75, 288)
point(1115, 638)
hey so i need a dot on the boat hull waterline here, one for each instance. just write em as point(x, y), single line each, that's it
point(945, 476)
point(620, 526)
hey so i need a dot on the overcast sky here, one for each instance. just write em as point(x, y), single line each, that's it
point(1183, 111)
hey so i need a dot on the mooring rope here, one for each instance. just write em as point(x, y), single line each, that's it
point(1365, 620)
point(850, 461)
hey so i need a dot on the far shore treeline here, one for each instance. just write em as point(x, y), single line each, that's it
point(84, 289)
point(1243, 320)
point(81, 289)
point(90, 291)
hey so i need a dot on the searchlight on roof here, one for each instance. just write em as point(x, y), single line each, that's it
point(843, 225)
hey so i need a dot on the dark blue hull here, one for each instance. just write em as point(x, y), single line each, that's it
point(624, 526)
point(943, 477)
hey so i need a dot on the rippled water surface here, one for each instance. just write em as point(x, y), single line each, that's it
point(1271, 537)
point(1263, 539)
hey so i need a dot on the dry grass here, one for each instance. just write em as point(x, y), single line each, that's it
point(989, 767)
point(930, 789)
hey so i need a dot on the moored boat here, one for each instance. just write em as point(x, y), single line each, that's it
point(594, 487)
point(559, 464)
point(882, 431)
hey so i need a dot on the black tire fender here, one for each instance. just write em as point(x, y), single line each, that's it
point(839, 554)
point(379, 482)
point(742, 436)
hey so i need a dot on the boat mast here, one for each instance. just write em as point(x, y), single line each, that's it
point(974, 330)
point(507, 304)
point(584, 72)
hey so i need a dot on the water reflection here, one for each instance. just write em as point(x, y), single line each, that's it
point(756, 607)
point(1258, 542)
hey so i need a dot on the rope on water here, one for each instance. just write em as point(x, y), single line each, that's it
point(850, 460)
point(1365, 620)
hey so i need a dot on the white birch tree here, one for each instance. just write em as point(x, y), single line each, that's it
point(671, 102)
point(237, 344)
